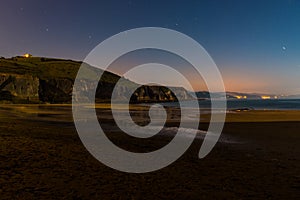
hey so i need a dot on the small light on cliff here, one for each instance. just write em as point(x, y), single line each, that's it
point(27, 55)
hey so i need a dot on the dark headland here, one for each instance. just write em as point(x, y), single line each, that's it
point(49, 80)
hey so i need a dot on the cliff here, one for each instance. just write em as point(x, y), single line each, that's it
point(19, 88)
point(47, 80)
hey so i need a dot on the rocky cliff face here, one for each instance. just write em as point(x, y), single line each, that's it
point(16, 88)
point(29, 89)
point(159, 94)
point(142, 94)
point(19, 88)
point(55, 90)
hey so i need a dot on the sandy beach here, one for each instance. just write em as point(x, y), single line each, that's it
point(42, 157)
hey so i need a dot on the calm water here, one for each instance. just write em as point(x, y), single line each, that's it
point(271, 104)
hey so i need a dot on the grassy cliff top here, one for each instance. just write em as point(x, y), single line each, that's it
point(46, 68)
point(40, 67)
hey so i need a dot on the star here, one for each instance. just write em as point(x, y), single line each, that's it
point(47, 29)
point(283, 48)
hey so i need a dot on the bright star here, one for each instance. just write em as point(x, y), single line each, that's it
point(283, 48)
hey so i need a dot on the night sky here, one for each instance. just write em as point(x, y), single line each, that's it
point(256, 44)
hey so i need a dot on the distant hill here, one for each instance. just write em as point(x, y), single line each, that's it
point(297, 96)
point(50, 80)
point(240, 95)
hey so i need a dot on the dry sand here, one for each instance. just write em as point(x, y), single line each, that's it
point(42, 157)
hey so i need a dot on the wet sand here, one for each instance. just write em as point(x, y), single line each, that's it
point(42, 157)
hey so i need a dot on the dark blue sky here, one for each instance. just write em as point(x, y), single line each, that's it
point(256, 44)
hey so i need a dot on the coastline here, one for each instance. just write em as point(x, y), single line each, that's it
point(257, 115)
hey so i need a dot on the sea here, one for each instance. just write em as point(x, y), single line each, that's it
point(249, 104)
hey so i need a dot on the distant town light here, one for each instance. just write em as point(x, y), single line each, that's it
point(240, 97)
point(265, 97)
